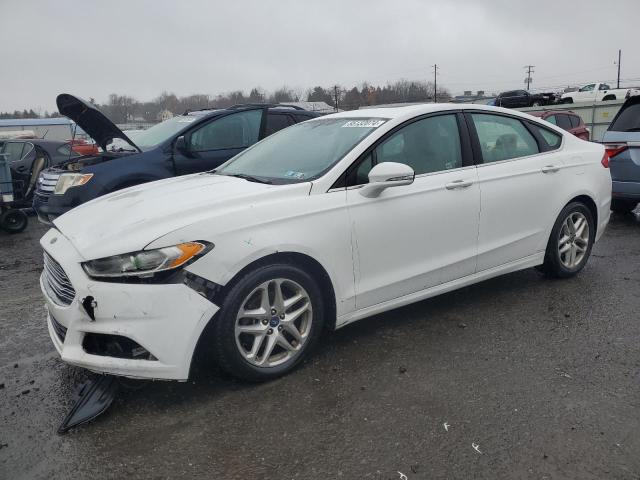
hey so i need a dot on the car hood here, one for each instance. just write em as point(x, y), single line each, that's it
point(91, 120)
point(130, 219)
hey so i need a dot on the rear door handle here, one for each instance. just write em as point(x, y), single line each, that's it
point(458, 184)
point(549, 169)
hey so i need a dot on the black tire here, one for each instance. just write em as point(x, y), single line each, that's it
point(609, 97)
point(553, 266)
point(226, 351)
point(623, 206)
point(536, 104)
point(13, 221)
point(567, 100)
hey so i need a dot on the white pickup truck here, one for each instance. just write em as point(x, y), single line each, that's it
point(597, 92)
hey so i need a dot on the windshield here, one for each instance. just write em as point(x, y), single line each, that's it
point(302, 152)
point(151, 137)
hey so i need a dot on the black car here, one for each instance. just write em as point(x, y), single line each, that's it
point(28, 157)
point(194, 142)
point(522, 98)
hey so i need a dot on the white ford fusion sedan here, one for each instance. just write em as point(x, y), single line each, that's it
point(322, 224)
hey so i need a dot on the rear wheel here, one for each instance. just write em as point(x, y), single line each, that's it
point(570, 242)
point(535, 104)
point(622, 206)
point(13, 221)
point(269, 322)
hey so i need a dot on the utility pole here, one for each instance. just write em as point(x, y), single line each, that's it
point(435, 82)
point(619, 58)
point(528, 80)
point(335, 96)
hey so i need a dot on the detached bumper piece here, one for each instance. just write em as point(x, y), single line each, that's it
point(93, 398)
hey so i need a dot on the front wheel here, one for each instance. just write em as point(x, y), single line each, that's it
point(570, 242)
point(269, 322)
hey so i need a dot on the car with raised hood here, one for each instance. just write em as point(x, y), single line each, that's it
point(324, 223)
point(194, 142)
point(622, 141)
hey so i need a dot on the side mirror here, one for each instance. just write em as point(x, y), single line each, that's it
point(385, 175)
point(181, 145)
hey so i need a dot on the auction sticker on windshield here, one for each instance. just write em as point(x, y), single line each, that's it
point(367, 123)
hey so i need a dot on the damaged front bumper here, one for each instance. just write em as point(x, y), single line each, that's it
point(140, 330)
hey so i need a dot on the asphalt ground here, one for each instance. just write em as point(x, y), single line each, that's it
point(541, 376)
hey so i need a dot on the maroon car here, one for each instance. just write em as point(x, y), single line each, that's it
point(566, 120)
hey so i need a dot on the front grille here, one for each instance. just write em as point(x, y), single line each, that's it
point(61, 330)
point(56, 282)
point(47, 182)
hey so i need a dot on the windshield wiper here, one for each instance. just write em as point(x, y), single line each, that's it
point(248, 177)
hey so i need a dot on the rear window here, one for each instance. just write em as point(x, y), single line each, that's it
point(628, 120)
point(552, 139)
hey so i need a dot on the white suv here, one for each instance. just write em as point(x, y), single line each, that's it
point(322, 224)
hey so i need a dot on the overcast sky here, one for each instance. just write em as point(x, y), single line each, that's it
point(140, 48)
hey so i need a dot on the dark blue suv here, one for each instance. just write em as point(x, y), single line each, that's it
point(194, 142)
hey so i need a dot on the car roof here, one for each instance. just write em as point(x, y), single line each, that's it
point(407, 111)
point(240, 108)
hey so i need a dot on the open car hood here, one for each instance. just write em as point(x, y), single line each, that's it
point(91, 120)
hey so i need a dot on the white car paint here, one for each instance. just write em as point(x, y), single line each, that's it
point(409, 243)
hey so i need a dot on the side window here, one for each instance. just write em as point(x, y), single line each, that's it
point(13, 151)
point(238, 130)
point(604, 86)
point(552, 139)
point(575, 121)
point(552, 119)
point(502, 138)
point(277, 122)
point(428, 145)
point(588, 88)
point(564, 122)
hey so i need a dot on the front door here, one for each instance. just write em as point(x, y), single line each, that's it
point(415, 236)
point(212, 144)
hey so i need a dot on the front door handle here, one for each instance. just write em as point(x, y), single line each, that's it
point(549, 169)
point(458, 184)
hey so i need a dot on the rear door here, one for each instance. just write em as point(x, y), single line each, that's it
point(215, 142)
point(520, 176)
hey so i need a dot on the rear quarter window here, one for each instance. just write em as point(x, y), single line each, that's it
point(553, 140)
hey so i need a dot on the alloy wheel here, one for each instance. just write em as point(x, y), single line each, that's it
point(273, 323)
point(573, 240)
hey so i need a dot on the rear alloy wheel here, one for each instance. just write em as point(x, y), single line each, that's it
point(13, 221)
point(269, 322)
point(570, 242)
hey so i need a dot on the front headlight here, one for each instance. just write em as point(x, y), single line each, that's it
point(145, 263)
point(68, 180)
